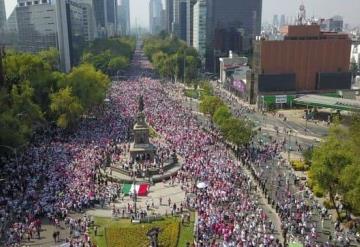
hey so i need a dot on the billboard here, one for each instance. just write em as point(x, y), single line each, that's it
point(338, 80)
point(277, 82)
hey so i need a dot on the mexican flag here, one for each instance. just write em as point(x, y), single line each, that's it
point(139, 189)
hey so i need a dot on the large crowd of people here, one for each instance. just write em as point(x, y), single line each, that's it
point(61, 175)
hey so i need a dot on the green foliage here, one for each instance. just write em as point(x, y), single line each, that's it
point(66, 107)
point(210, 104)
point(330, 163)
point(299, 165)
point(110, 55)
point(221, 115)
point(237, 131)
point(88, 85)
point(308, 154)
point(170, 56)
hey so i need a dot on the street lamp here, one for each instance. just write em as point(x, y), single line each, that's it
point(134, 184)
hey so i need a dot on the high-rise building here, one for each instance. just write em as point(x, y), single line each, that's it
point(276, 21)
point(189, 21)
point(179, 24)
point(36, 21)
point(282, 21)
point(169, 14)
point(2, 15)
point(124, 17)
point(105, 12)
point(72, 31)
point(232, 25)
point(111, 16)
point(199, 29)
point(155, 16)
point(99, 7)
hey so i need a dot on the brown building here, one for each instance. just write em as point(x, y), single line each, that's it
point(306, 61)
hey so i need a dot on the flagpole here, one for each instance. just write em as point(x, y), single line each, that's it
point(134, 184)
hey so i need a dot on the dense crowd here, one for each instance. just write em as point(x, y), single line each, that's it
point(61, 175)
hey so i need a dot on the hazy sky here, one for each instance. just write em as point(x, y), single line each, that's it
point(349, 9)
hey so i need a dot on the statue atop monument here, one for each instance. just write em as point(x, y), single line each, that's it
point(141, 103)
point(141, 148)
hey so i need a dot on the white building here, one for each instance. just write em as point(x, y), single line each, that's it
point(199, 29)
point(355, 54)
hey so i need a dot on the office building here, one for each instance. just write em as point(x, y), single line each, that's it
point(72, 31)
point(155, 16)
point(99, 8)
point(2, 15)
point(179, 24)
point(36, 23)
point(124, 17)
point(111, 17)
point(169, 15)
point(334, 24)
point(231, 25)
point(189, 21)
point(282, 21)
point(306, 61)
point(276, 21)
point(199, 29)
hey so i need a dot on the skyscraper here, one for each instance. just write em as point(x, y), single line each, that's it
point(124, 17)
point(199, 29)
point(72, 31)
point(189, 21)
point(179, 24)
point(111, 17)
point(169, 14)
point(99, 7)
point(155, 16)
point(276, 21)
point(36, 25)
point(282, 21)
point(231, 25)
point(2, 15)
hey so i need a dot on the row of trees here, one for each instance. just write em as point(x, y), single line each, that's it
point(236, 131)
point(110, 55)
point(35, 94)
point(335, 166)
point(172, 58)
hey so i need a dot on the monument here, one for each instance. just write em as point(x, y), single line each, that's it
point(141, 149)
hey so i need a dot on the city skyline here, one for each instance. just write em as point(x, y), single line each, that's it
point(320, 8)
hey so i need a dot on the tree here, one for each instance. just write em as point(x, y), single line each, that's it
point(330, 160)
point(66, 107)
point(118, 63)
point(210, 104)
point(88, 85)
point(237, 131)
point(221, 115)
point(191, 69)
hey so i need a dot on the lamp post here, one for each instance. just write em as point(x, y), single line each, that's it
point(134, 184)
point(289, 145)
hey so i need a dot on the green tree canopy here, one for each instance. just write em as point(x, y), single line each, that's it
point(221, 115)
point(66, 107)
point(210, 104)
point(237, 131)
point(88, 85)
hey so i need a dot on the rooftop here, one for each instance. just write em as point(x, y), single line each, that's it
point(329, 102)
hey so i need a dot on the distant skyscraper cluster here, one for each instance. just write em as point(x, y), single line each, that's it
point(68, 25)
point(214, 27)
